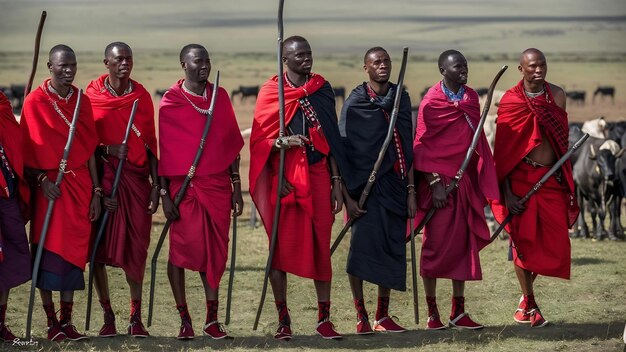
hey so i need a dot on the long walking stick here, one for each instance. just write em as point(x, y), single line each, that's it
point(181, 193)
point(231, 274)
point(381, 153)
point(46, 222)
point(33, 70)
point(470, 151)
point(416, 310)
point(281, 166)
point(543, 180)
point(105, 217)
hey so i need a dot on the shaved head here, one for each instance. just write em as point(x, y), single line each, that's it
point(530, 51)
point(60, 48)
point(187, 48)
point(293, 39)
point(444, 56)
point(121, 45)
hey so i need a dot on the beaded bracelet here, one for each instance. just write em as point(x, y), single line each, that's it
point(97, 191)
point(335, 178)
point(410, 185)
point(431, 183)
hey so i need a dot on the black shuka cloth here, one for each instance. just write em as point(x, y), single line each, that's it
point(378, 244)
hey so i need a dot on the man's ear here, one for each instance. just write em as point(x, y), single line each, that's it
point(106, 62)
point(519, 68)
point(49, 66)
point(182, 65)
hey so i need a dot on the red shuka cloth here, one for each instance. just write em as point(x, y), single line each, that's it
point(205, 210)
point(264, 183)
point(456, 233)
point(111, 115)
point(45, 135)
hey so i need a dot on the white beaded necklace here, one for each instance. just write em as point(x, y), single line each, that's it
point(203, 96)
point(54, 103)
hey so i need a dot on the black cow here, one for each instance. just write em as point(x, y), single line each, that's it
point(17, 94)
point(160, 92)
point(245, 92)
point(605, 91)
point(340, 92)
point(577, 96)
point(482, 91)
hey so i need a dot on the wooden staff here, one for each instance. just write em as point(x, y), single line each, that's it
point(470, 151)
point(543, 180)
point(46, 222)
point(231, 274)
point(33, 69)
point(181, 193)
point(281, 167)
point(381, 153)
point(105, 217)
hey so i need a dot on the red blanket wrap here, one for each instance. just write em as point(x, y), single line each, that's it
point(306, 254)
point(45, 135)
point(456, 233)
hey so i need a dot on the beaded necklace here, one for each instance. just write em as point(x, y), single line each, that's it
point(108, 86)
point(203, 96)
point(54, 103)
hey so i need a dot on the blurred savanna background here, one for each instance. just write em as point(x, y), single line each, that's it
point(585, 45)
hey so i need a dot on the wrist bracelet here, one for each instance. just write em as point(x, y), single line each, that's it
point(156, 186)
point(42, 177)
point(235, 181)
point(97, 191)
point(335, 178)
point(431, 183)
point(410, 185)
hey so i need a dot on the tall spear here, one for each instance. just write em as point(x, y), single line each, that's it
point(381, 153)
point(231, 274)
point(33, 69)
point(181, 193)
point(46, 222)
point(281, 167)
point(105, 217)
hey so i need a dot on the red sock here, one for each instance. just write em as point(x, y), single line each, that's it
point(66, 312)
point(361, 312)
point(323, 312)
point(50, 314)
point(431, 303)
point(530, 301)
point(458, 307)
point(211, 310)
point(183, 312)
point(382, 310)
point(3, 313)
point(135, 309)
point(283, 313)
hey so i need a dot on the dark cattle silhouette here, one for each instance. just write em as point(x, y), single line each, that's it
point(482, 91)
point(605, 91)
point(245, 92)
point(17, 95)
point(340, 92)
point(160, 92)
point(577, 96)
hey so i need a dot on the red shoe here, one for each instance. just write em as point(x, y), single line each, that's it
point(386, 324)
point(434, 323)
point(521, 314)
point(186, 331)
point(108, 330)
point(215, 330)
point(72, 334)
point(283, 333)
point(536, 319)
point(463, 321)
point(5, 333)
point(326, 330)
point(136, 329)
point(55, 333)
point(363, 327)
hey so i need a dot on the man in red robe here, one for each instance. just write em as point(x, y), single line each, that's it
point(531, 136)
point(127, 235)
point(447, 120)
point(45, 121)
point(309, 198)
point(14, 195)
point(199, 232)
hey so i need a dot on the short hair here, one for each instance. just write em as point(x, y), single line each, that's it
point(187, 48)
point(528, 51)
point(445, 55)
point(60, 48)
point(110, 47)
point(374, 50)
point(294, 39)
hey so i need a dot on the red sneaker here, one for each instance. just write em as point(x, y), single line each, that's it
point(55, 333)
point(363, 327)
point(536, 319)
point(326, 330)
point(136, 329)
point(283, 333)
point(5, 333)
point(72, 334)
point(521, 314)
point(186, 331)
point(434, 323)
point(215, 330)
point(463, 321)
point(386, 324)
point(108, 330)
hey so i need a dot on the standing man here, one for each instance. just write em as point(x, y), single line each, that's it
point(311, 194)
point(377, 247)
point(45, 122)
point(127, 237)
point(199, 232)
point(446, 122)
point(14, 194)
point(531, 136)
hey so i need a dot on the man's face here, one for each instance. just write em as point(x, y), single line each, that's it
point(298, 57)
point(62, 66)
point(533, 67)
point(378, 66)
point(197, 65)
point(454, 69)
point(119, 62)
